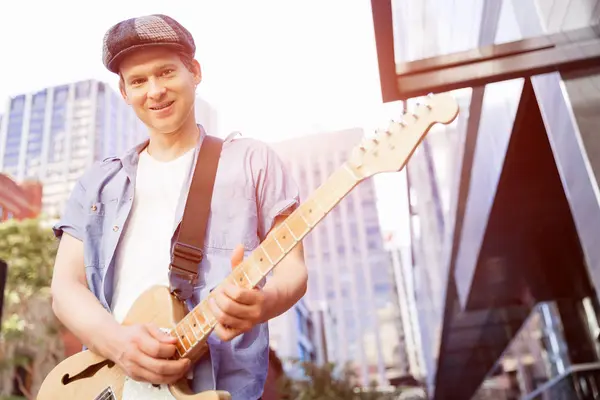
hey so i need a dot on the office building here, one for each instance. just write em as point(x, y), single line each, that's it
point(292, 336)
point(406, 319)
point(349, 268)
point(503, 201)
point(54, 134)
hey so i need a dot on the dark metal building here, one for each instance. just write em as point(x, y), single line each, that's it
point(504, 202)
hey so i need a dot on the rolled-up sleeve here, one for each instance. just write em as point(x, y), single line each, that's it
point(72, 218)
point(277, 192)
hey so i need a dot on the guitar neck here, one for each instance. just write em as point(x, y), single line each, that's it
point(195, 327)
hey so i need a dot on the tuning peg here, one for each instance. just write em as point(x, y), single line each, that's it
point(375, 140)
point(415, 116)
point(427, 105)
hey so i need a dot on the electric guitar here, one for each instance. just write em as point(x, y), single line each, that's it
point(88, 376)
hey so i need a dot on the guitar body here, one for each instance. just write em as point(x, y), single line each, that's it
point(100, 379)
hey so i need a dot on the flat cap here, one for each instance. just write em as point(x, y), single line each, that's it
point(141, 32)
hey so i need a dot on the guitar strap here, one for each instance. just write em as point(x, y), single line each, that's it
point(188, 250)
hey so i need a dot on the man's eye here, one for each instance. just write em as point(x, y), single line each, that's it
point(167, 72)
point(136, 82)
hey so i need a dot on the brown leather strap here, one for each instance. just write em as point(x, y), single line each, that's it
point(188, 250)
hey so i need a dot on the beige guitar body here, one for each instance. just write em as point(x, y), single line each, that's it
point(104, 380)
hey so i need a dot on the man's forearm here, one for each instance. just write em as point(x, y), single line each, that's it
point(81, 313)
point(284, 288)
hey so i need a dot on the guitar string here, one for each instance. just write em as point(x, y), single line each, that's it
point(108, 394)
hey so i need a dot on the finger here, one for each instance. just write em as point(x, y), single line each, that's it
point(237, 256)
point(231, 307)
point(226, 319)
point(152, 347)
point(226, 334)
point(142, 374)
point(162, 368)
point(241, 295)
point(159, 335)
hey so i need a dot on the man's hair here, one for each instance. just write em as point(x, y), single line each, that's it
point(186, 59)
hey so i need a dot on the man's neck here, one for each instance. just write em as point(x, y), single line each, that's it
point(167, 147)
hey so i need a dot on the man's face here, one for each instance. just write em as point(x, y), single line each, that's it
point(160, 88)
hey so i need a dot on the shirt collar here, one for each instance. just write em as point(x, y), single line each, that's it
point(130, 159)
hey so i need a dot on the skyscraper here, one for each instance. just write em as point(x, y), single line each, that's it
point(54, 134)
point(292, 337)
point(348, 265)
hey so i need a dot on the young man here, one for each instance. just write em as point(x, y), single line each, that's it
point(120, 222)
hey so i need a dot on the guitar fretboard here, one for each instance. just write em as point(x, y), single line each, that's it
point(195, 327)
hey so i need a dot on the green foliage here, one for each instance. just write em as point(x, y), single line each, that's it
point(29, 336)
point(29, 249)
point(328, 383)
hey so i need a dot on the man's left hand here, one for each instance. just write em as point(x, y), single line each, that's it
point(236, 309)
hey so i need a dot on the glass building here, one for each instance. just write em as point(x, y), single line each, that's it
point(53, 135)
point(503, 201)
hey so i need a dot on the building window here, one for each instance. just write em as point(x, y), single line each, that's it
point(60, 95)
point(82, 90)
point(17, 104)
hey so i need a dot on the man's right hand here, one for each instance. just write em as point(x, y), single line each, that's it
point(144, 353)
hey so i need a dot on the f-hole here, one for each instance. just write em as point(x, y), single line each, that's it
point(88, 372)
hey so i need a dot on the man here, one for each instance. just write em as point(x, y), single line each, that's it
point(120, 222)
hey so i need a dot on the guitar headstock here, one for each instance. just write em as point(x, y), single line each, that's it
point(390, 150)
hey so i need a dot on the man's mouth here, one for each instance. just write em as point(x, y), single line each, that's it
point(161, 106)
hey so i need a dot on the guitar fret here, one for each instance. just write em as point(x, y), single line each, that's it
point(183, 338)
point(260, 260)
point(196, 324)
point(208, 315)
point(200, 323)
point(246, 276)
point(192, 329)
point(238, 275)
point(278, 244)
point(272, 249)
point(291, 232)
point(252, 271)
point(265, 253)
point(306, 222)
point(179, 339)
point(297, 225)
point(189, 334)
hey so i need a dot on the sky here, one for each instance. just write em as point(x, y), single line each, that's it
point(273, 69)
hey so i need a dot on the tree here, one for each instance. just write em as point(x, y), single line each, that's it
point(328, 383)
point(29, 340)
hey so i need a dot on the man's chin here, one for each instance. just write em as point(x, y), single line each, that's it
point(164, 127)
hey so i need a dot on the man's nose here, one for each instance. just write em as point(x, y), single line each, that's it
point(156, 89)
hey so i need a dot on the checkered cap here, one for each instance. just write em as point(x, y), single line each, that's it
point(141, 32)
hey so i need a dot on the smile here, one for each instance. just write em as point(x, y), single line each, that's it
point(161, 106)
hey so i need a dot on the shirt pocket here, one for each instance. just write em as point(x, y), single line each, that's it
point(99, 223)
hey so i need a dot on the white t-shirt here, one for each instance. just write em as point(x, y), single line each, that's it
point(144, 252)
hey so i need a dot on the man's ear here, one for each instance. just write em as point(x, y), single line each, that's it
point(197, 72)
point(122, 90)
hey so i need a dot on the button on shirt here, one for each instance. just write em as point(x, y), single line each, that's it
point(252, 188)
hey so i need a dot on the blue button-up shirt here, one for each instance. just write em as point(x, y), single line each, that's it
point(251, 189)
